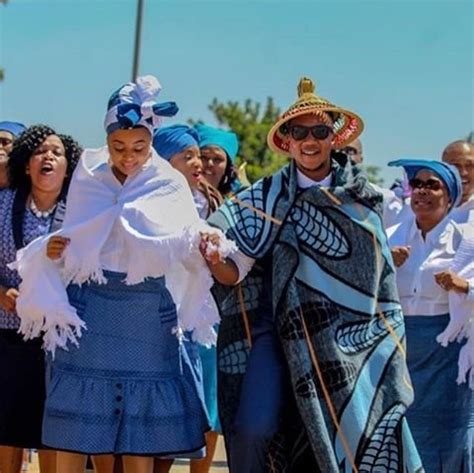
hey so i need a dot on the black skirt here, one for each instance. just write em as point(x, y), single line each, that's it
point(22, 390)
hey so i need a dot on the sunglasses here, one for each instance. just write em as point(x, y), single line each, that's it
point(319, 132)
point(429, 184)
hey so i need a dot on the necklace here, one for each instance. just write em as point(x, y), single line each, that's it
point(40, 213)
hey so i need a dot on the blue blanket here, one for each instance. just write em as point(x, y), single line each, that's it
point(339, 321)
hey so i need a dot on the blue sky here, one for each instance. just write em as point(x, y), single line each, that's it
point(405, 66)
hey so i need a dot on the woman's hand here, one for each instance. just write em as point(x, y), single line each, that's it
point(223, 269)
point(400, 254)
point(8, 298)
point(56, 246)
point(450, 281)
point(209, 248)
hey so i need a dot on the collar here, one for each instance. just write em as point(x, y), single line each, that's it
point(433, 235)
point(304, 181)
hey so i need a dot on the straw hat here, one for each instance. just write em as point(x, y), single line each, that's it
point(347, 125)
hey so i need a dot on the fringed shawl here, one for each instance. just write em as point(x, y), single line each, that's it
point(160, 225)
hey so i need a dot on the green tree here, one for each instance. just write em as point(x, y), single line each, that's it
point(251, 123)
point(373, 174)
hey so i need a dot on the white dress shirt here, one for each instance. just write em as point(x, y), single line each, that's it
point(465, 212)
point(417, 287)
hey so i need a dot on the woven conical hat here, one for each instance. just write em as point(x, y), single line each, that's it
point(347, 125)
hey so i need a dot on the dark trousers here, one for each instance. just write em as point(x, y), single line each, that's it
point(264, 392)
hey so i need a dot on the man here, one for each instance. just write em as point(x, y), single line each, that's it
point(312, 370)
point(9, 131)
point(354, 151)
point(461, 154)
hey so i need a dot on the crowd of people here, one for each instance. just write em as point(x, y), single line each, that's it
point(150, 300)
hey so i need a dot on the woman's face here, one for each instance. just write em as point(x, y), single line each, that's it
point(6, 144)
point(214, 161)
point(47, 166)
point(129, 150)
point(430, 198)
point(188, 162)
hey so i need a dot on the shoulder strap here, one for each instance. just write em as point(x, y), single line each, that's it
point(58, 217)
point(18, 212)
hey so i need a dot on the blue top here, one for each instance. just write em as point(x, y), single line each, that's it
point(33, 227)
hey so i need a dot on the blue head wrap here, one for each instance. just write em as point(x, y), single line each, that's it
point(227, 140)
point(134, 104)
point(446, 172)
point(15, 128)
point(173, 139)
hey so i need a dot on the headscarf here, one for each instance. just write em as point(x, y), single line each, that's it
point(15, 128)
point(173, 139)
point(446, 172)
point(134, 104)
point(227, 140)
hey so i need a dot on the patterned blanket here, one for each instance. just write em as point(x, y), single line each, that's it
point(339, 320)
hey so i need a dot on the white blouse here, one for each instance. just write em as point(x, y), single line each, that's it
point(417, 287)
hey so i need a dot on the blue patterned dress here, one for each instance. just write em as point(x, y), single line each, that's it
point(22, 369)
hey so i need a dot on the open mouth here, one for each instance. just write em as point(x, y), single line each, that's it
point(46, 169)
point(312, 152)
point(422, 203)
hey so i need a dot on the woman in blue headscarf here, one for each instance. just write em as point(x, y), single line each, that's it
point(9, 132)
point(113, 310)
point(178, 144)
point(433, 288)
point(218, 153)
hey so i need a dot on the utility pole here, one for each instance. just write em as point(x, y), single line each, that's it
point(138, 34)
point(2, 72)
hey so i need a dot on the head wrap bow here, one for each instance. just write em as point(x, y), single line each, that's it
point(171, 140)
point(227, 140)
point(134, 104)
point(446, 172)
point(15, 128)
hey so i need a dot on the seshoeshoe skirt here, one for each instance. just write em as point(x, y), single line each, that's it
point(129, 387)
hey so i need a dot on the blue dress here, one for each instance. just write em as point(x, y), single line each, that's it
point(129, 387)
point(22, 367)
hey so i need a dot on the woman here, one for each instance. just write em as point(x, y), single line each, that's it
point(425, 252)
point(9, 132)
point(40, 168)
point(178, 144)
point(218, 152)
point(136, 280)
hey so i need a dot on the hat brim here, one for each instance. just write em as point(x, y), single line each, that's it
point(350, 127)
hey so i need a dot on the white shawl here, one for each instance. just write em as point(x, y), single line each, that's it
point(158, 217)
point(461, 307)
